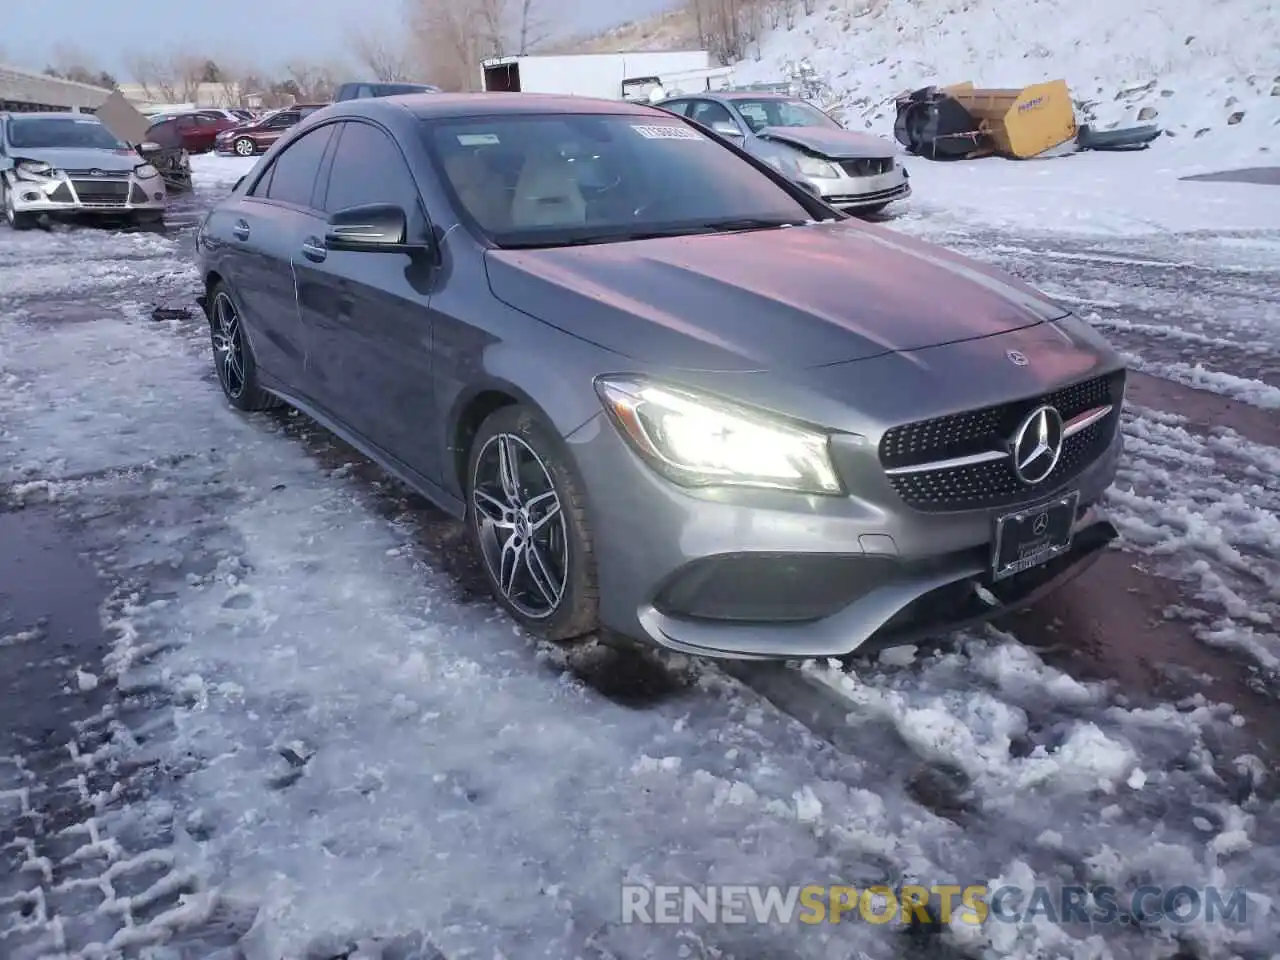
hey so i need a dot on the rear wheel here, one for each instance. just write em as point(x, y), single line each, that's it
point(233, 356)
point(245, 147)
point(526, 512)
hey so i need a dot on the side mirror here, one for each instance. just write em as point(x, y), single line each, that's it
point(726, 129)
point(372, 228)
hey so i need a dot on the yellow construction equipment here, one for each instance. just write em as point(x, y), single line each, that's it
point(1021, 123)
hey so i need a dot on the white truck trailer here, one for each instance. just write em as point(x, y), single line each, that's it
point(586, 74)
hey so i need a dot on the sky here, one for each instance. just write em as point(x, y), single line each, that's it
point(262, 32)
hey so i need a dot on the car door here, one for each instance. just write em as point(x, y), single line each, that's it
point(275, 128)
point(206, 128)
point(368, 313)
point(267, 226)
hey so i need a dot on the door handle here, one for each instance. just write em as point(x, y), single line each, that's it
point(314, 250)
point(241, 230)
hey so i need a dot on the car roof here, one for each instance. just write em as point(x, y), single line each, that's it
point(453, 105)
point(54, 115)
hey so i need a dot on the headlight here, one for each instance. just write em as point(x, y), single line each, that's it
point(145, 171)
point(697, 440)
point(817, 167)
point(34, 170)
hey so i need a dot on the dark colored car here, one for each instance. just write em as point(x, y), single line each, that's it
point(257, 135)
point(359, 90)
point(673, 394)
point(199, 129)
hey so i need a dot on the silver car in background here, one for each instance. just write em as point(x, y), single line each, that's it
point(854, 172)
point(69, 163)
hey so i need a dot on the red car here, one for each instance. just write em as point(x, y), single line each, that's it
point(199, 128)
point(257, 135)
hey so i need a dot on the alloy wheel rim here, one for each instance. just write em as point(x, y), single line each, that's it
point(244, 148)
point(228, 345)
point(521, 526)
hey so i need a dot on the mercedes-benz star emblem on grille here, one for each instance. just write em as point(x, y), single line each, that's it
point(1040, 524)
point(1016, 358)
point(1037, 445)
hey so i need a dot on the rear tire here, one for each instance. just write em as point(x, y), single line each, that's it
point(244, 147)
point(233, 356)
point(527, 518)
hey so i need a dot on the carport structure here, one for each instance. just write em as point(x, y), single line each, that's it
point(23, 91)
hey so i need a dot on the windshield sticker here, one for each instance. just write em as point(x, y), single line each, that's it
point(653, 132)
point(477, 139)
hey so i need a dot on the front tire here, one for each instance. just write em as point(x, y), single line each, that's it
point(16, 220)
point(233, 356)
point(527, 516)
point(245, 147)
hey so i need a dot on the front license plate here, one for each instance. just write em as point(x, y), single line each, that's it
point(1033, 536)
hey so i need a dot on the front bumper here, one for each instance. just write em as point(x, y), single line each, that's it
point(87, 195)
point(755, 573)
point(855, 193)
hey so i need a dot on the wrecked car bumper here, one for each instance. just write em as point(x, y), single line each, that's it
point(87, 192)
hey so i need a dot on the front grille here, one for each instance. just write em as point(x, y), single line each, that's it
point(102, 192)
point(867, 167)
point(88, 174)
point(993, 483)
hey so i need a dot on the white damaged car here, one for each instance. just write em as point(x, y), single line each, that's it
point(64, 164)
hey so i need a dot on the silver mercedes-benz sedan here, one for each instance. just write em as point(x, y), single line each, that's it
point(70, 164)
point(671, 393)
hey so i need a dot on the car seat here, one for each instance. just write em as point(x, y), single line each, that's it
point(481, 190)
point(547, 194)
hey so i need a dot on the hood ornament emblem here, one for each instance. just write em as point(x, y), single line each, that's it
point(1017, 358)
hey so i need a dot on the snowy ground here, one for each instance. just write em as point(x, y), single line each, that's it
point(1206, 73)
point(305, 729)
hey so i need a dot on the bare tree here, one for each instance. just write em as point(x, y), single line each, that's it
point(451, 38)
point(156, 76)
point(386, 58)
point(314, 80)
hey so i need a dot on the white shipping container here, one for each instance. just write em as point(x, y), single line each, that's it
point(585, 74)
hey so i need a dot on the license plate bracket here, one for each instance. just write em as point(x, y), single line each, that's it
point(1033, 536)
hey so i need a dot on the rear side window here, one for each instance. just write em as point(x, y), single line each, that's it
point(293, 175)
point(368, 167)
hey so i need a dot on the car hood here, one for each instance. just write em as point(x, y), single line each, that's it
point(81, 158)
point(830, 142)
point(794, 297)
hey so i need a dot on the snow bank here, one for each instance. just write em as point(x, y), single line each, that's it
point(1194, 65)
point(1208, 74)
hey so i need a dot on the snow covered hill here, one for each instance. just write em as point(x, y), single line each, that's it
point(1207, 71)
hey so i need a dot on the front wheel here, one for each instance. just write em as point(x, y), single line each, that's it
point(245, 147)
point(527, 515)
point(16, 220)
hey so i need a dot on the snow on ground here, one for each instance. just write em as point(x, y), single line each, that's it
point(1196, 66)
point(354, 752)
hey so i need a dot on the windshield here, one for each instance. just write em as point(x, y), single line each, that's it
point(589, 178)
point(47, 132)
point(782, 113)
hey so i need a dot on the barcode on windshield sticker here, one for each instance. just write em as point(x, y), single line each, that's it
point(654, 132)
point(477, 139)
